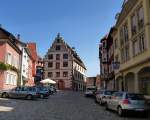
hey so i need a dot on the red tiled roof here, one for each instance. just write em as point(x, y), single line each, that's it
point(32, 49)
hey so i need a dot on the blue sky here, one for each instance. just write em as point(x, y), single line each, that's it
point(81, 23)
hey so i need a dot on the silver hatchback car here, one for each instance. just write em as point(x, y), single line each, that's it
point(20, 92)
point(124, 101)
point(102, 96)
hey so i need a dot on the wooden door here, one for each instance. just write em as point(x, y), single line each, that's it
point(61, 85)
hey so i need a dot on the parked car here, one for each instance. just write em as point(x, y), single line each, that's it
point(103, 95)
point(43, 92)
point(90, 90)
point(52, 90)
point(123, 102)
point(97, 92)
point(20, 92)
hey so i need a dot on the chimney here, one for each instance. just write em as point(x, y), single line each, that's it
point(73, 48)
point(58, 35)
point(117, 16)
point(18, 36)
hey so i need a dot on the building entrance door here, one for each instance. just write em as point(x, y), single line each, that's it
point(61, 85)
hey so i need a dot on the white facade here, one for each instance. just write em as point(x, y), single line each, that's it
point(59, 64)
point(24, 63)
point(54, 65)
point(79, 76)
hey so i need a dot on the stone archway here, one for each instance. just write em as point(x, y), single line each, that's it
point(130, 82)
point(119, 83)
point(144, 80)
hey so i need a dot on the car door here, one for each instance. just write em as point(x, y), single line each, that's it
point(14, 92)
point(99, 96)
point(23, 92)
point(19, 92)
point(119, 96)
point(112, 100)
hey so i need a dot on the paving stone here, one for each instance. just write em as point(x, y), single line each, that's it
point(64, 105)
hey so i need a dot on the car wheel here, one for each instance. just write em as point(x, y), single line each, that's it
point(5, 95)
point(96, 101)
point(41, 96)
point(120, 111)
point(29, 97)
point(106, 107)
point(100, 102)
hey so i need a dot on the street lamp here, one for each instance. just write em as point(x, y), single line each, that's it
point(116, 65)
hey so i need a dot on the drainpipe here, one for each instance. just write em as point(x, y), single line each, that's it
point(21, 66)
point(72, 75)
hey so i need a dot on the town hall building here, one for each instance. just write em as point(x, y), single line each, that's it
point(63, 65)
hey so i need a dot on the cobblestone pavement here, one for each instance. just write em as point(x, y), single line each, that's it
point(64, 105)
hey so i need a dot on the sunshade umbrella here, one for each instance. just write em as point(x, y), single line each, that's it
point(48, 81)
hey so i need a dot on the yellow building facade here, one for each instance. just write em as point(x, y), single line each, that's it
point(131, 40)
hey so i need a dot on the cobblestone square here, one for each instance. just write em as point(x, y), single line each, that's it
point(64, 105)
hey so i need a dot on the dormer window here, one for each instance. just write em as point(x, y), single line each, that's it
point(58, 47)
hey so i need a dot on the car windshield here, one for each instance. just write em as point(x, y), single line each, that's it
point(135, 96)
point(24, 88)
point(32, 89)
point(91, 89)
point(43, 88)
point(108, 92)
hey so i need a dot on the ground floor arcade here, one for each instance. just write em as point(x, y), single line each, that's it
point(136, 79)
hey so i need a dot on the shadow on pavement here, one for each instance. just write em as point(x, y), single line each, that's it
point(134, 115)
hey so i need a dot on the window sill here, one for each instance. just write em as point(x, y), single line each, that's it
point(9, 84)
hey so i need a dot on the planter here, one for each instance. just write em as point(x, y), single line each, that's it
point(4, 67)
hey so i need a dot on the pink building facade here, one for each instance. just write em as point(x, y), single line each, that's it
point(9, 56)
